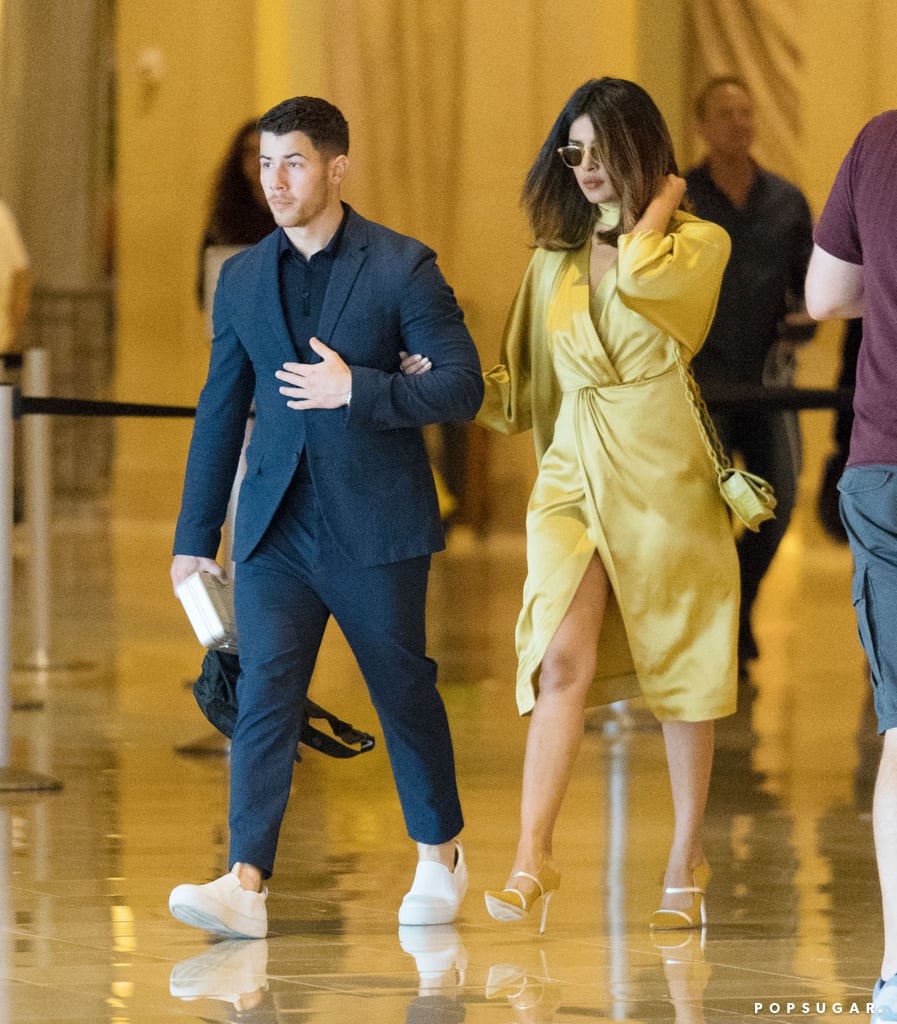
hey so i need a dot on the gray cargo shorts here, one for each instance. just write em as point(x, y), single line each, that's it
point(869, 513)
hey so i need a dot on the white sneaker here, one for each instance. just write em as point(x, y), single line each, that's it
point(222, 906)
point(436, 893)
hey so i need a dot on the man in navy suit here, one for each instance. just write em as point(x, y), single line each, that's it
point(337, 513)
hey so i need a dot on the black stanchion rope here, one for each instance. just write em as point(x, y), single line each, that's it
point(719, 398)
point(23, 405)
point(727, 397)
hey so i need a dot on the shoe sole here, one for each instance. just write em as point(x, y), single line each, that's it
point(421, 916)
point(501, 911)
point(208, 922)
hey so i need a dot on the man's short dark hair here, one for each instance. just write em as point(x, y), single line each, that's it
point(321, 121)
point(717, 82)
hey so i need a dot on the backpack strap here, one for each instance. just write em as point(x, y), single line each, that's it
point(348, 734)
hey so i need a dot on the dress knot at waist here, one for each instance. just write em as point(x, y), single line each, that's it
point(590, 387)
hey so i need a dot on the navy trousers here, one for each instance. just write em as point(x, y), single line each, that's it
point(285, 593)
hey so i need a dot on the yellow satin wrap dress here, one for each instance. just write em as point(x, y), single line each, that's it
point(622, 470)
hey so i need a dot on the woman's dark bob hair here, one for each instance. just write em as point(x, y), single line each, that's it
point(636, 153)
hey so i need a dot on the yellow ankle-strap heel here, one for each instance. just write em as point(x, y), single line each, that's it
point(512, 904)
point(696, 915)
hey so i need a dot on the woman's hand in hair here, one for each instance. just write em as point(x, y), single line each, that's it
point(672, 186)
point(666, 201)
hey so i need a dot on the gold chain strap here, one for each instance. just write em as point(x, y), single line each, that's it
point(702, 417)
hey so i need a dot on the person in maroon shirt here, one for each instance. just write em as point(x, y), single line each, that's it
point(853, 273)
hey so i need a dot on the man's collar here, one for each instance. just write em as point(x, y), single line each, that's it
point(285, 246)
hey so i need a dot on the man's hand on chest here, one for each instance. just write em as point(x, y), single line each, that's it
point(324, 385)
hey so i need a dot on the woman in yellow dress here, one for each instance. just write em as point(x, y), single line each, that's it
point(632, 582)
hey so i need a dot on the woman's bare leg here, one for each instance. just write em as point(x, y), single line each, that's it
point(557, 723)
point(689, 747)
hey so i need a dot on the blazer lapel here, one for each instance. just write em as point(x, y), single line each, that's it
point(268, 300)
point(350, 258)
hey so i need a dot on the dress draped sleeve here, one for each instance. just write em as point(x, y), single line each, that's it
point(673, 280)
point(522, 391)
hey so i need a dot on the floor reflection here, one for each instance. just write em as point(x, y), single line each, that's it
point(234, 971)
point(440, 958)
point(534, 998)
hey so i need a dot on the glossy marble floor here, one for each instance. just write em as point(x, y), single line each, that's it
point(85, 870)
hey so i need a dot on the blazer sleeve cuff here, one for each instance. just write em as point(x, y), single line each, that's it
point(365, 381)
point(196, 541)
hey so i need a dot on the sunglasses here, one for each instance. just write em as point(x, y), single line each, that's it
point(574, 154)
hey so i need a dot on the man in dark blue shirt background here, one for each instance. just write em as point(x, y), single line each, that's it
point(759, 316)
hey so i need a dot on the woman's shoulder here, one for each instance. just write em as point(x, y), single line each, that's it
point(546, 262)
point(545, 267)
point(689, 224)
point(542, 257)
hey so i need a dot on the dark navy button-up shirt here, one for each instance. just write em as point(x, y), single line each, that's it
point(303, 285)
point(771, 245)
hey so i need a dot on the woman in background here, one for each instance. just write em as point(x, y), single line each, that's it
point(238, 212)
point(632, 582)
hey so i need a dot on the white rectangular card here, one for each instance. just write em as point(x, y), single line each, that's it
point(209, 603)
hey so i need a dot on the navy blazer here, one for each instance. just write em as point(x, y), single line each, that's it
point(368, 461)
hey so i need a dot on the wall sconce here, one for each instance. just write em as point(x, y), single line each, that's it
point(151, 68)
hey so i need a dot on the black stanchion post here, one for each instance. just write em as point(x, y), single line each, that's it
point(11, 779)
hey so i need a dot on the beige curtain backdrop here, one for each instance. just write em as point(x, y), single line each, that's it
point(759, 40)
point(399, 71)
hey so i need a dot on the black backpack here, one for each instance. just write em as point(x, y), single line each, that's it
point(216, 694)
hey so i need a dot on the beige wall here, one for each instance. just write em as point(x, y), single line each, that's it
point(444, 126)
point(848, 76)
point(172, 131)
point(53, 154)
